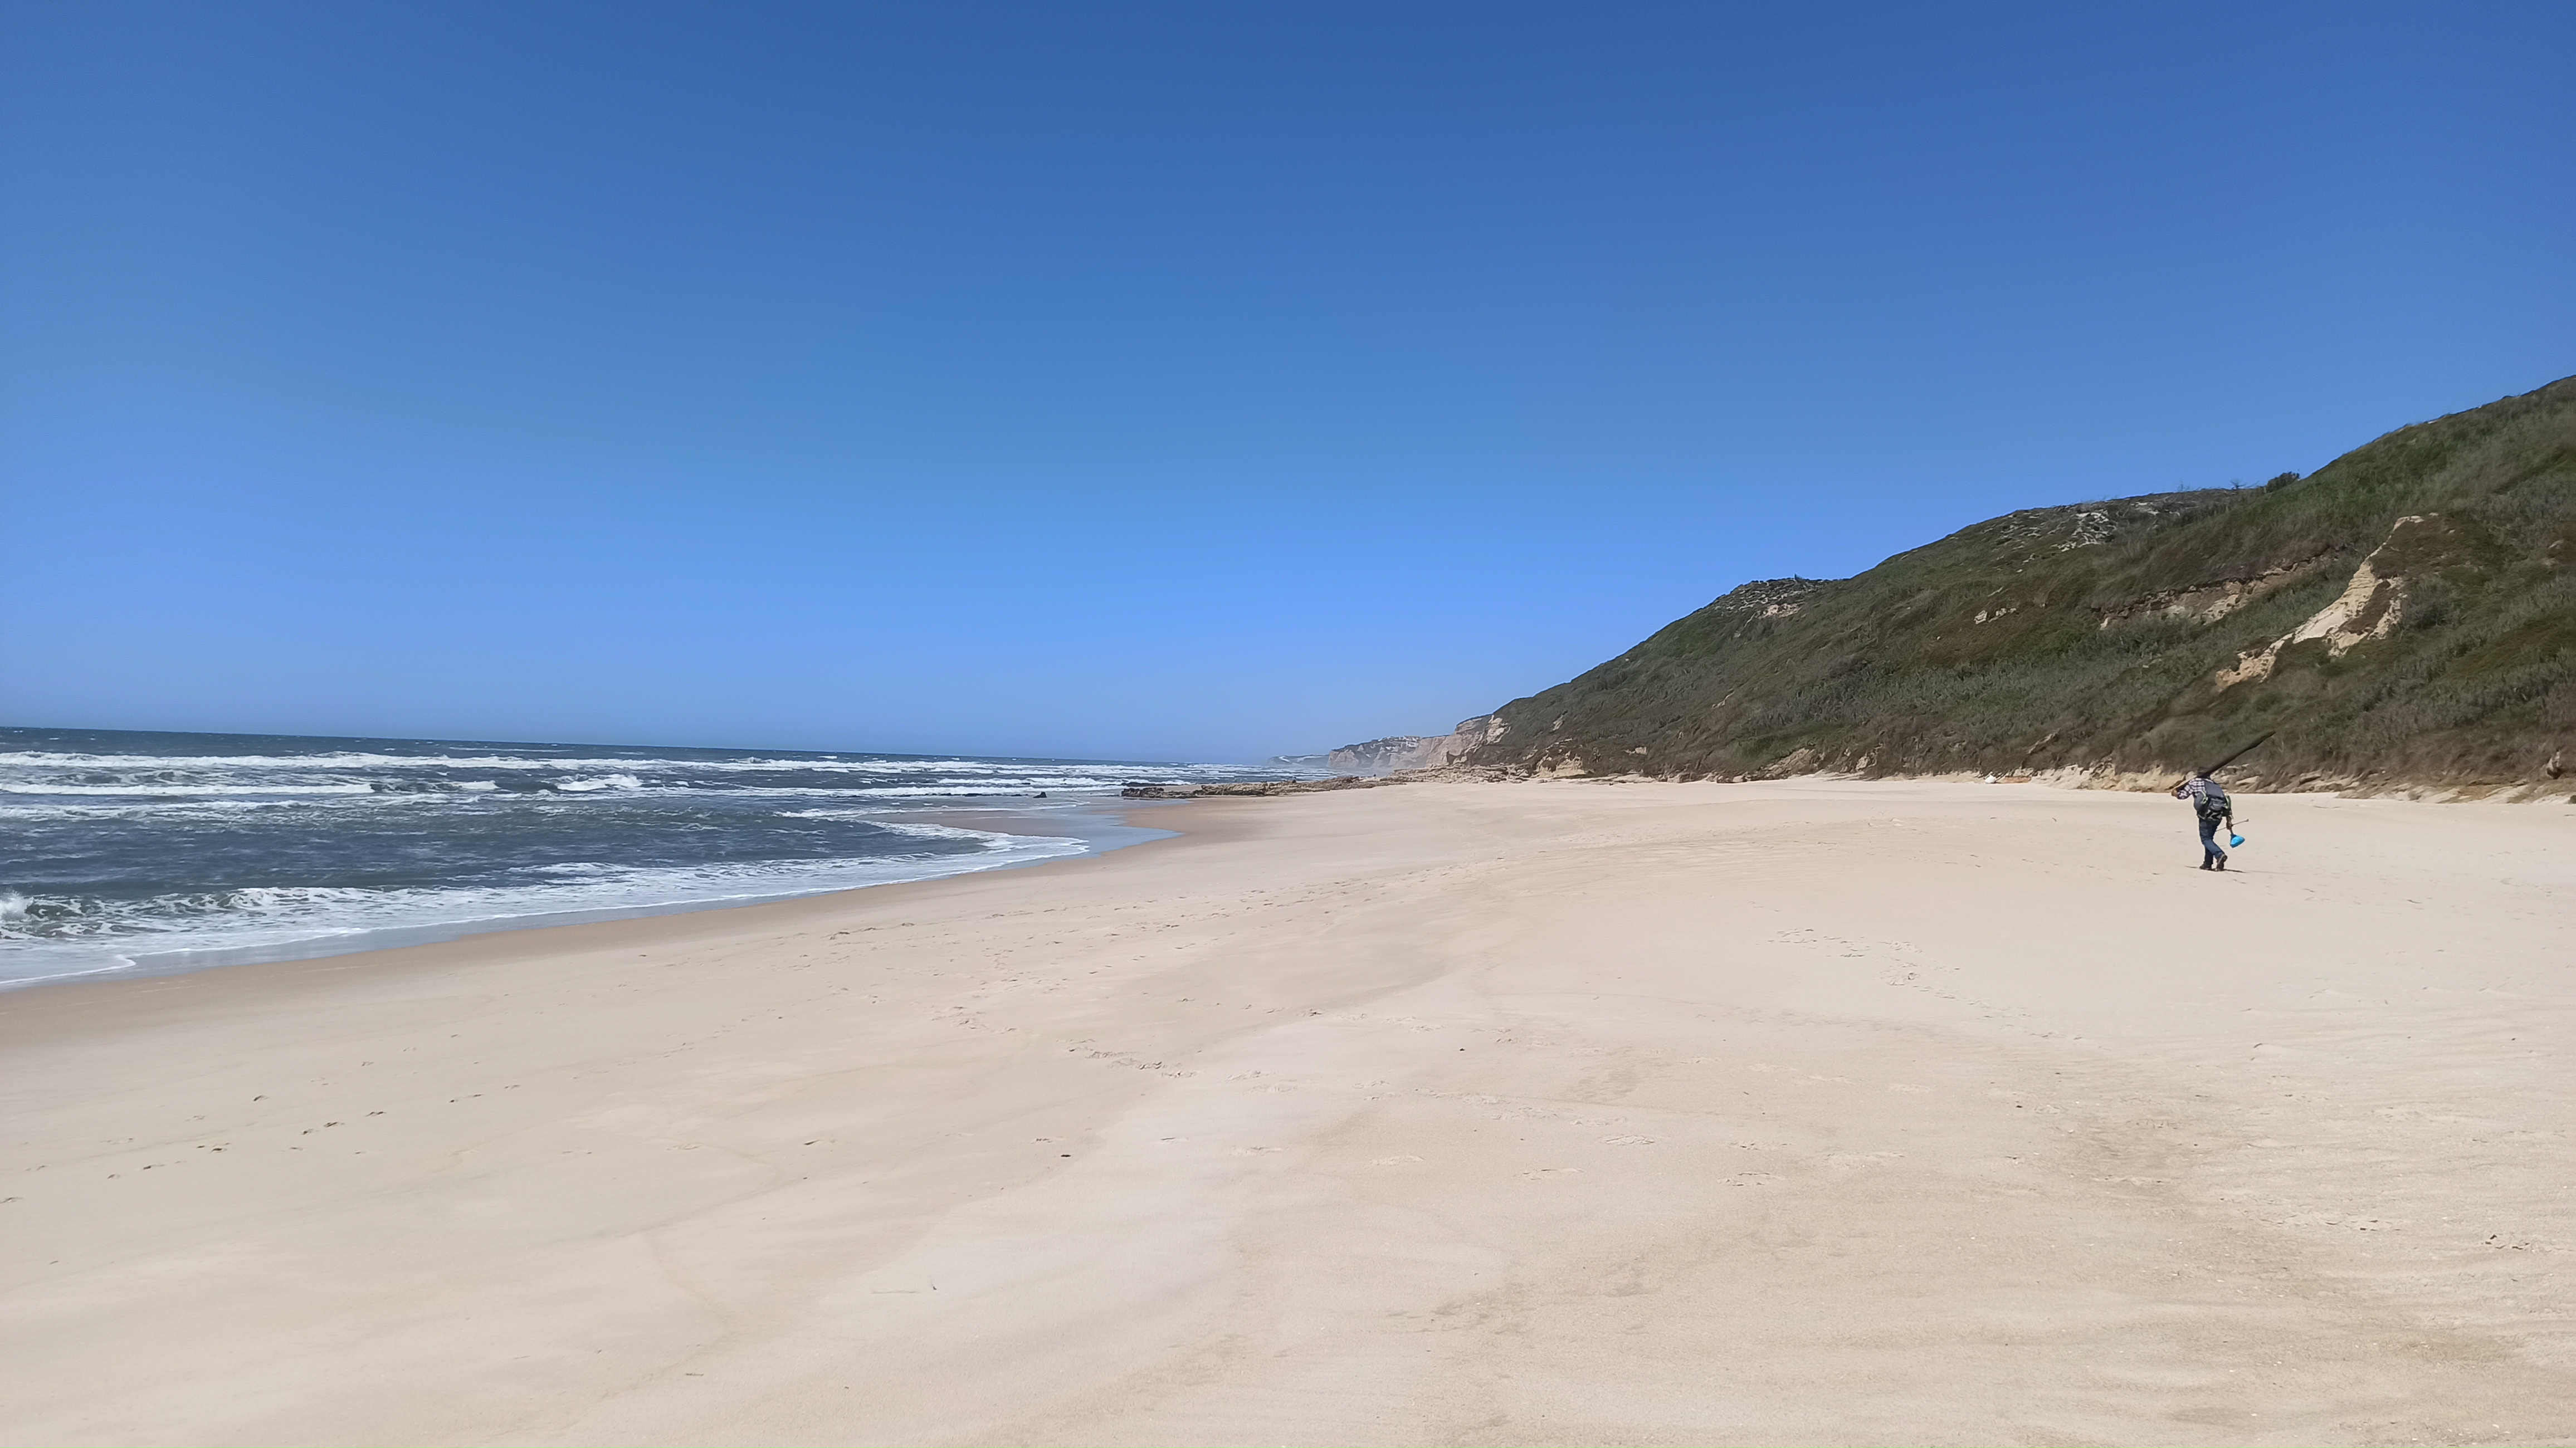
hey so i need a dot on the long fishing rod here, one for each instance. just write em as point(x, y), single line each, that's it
point(2231, 759)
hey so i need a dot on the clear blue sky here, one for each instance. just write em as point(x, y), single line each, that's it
point(1190, 380)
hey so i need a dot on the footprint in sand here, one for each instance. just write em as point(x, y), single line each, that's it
point(1394, 1160)
point(1627, 1141)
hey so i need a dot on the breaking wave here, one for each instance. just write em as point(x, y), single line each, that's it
point(144, 852)
point(54, 937)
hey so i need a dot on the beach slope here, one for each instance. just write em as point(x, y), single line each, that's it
point(1551, 1111)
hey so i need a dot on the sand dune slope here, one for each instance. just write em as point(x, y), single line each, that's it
point(1798, 1112)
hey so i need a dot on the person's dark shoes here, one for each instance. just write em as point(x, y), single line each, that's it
point(2222, 863)
point(2204, 862)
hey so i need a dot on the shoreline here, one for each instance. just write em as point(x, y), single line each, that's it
point(672, 927)
point(147, 964)
point(1540, 1112)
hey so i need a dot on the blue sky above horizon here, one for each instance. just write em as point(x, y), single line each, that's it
point(1165, 381)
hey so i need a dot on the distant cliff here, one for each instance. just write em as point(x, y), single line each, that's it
point(2405, 615)
point(1410, 751)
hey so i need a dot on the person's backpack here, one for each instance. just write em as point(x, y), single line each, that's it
point(2212, 801)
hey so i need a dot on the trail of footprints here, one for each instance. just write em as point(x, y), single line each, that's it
point(1902, 963)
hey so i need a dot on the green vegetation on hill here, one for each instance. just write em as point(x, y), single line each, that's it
point(2405, 614)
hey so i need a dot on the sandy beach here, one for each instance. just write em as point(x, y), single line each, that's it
point(1805, 1112)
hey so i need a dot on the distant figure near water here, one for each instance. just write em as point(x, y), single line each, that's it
point(2209, 801)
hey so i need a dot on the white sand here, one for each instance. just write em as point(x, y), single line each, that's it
point(1478, 1113)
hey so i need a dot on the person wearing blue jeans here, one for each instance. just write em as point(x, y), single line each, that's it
point(2210, 803)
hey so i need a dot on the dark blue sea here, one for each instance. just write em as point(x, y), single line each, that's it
point(144, 853)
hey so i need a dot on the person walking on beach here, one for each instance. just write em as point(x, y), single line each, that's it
point(2209, 801)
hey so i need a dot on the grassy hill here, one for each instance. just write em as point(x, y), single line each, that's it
point(2405, 614)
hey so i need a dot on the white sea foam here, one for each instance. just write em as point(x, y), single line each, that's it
point(752, 763)
point(177, 810)
point(991, 840)
point(921, 829)
point(869, 815)
point(179, 803)
point(180, 787)
point(160, 932)
point(111, 856)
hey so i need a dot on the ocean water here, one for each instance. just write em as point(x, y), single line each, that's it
point(144, 853)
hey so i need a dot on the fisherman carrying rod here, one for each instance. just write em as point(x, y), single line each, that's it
point(2209, 802)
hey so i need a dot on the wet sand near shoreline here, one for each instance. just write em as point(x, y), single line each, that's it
point(1562, 1112)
